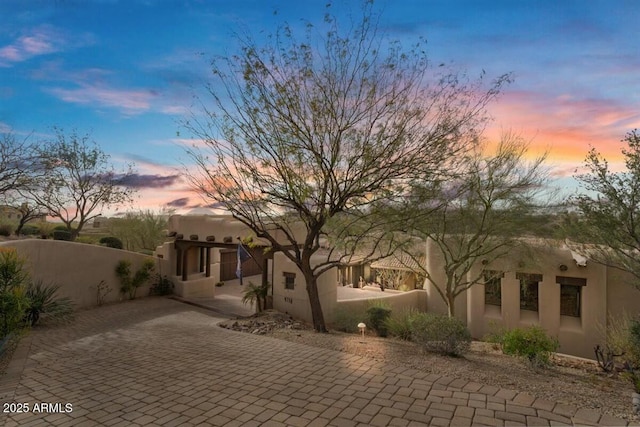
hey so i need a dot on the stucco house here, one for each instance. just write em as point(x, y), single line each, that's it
point(562, 291)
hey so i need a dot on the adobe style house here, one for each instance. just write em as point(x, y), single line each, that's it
point(571, 297)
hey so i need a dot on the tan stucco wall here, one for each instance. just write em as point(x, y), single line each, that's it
point(606, 291)
point(296, 301)
point(622, 297)
point(221, 226)
point(397, 302)
point(78, 267)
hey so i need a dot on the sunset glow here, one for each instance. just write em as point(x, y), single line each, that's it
point(132, 72)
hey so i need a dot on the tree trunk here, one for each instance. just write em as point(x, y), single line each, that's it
point(451, 305)
point(314, 300)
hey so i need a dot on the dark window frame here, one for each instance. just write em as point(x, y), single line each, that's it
point(529, 291)
point(289, 280)
point(571, 295)
point(493, 287)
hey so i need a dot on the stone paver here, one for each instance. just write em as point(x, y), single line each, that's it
point(158, 361)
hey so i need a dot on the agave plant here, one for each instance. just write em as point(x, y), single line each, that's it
point(43, 301)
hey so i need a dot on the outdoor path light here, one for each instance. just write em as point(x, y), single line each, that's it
point(362, 327)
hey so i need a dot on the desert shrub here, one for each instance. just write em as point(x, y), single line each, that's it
point(44, 304)
point(89, 240)
point(5, 230)
point(162, 285)
point(130, 284)
point(495, 335)
point(30, 230)
point(346, 320)
point(622, 346)
point(13, 301)
point(377, 316)
point(111, 242)
point(102, 291)
point(440, 334)
point(399, 325)
point(532, 343)
point(61, 235)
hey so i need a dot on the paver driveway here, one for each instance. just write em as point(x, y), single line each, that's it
point(157, 361)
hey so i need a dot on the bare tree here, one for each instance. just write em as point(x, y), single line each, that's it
point(74, 180)
point(608, 227)
point(15, 162)
point(307, 137)
point(478, 217)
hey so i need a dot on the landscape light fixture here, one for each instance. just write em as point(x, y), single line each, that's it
point(362, 327)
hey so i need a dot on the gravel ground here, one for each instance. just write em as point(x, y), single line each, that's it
point(570, 381)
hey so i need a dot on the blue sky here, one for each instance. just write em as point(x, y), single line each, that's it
point(128, 71)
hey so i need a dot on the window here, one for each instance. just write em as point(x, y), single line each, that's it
point(289, 280)
point(492, 287)
point(529, 290)
point(570, 295)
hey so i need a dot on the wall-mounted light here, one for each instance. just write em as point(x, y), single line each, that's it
point(563, 267)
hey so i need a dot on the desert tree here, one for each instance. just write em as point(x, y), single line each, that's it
point(18, 167)
point(144, 230)
point(307, 133)
point(16, 159)
point(74, 180)
point(475, 218)
point(607, 227)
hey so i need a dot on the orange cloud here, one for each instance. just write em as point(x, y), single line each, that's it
point(565, 126)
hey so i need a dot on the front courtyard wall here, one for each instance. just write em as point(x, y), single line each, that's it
point(396, 301)
point(78, 268)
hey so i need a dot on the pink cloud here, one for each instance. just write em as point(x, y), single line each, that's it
point(130, 101)
point(41, 41)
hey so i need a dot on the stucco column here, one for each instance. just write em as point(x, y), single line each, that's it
point(208, 263)
point(185, 257)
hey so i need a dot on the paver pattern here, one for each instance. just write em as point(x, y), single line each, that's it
point(157, 361)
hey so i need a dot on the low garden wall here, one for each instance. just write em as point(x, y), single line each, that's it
point(416, 299)
point(79, 268)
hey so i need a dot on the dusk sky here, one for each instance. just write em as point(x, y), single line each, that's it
point(128, 71)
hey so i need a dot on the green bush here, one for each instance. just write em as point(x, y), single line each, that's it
point(128, 284)
point(399, 325)
point(5, 230)
point(377, 316)
point(44, 304)
point(161, 286)
point(440, 334)
point(88, 240)
point(61, 227)
point(62, 235)
point(532, 343)
point(346, 320)
point(30, 230)
point(13, 301)
point(111, 242)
